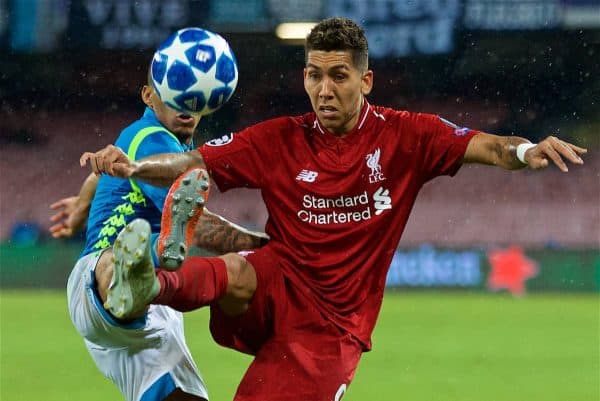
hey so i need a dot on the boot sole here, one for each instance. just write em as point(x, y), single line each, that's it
point(182, 210)
point(134, 283)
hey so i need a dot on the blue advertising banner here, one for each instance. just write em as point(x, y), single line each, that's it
point(430, 267)
point(395, 28)
point(400, 28)
point(512, 269)
point(502, 15)
point(129, 24)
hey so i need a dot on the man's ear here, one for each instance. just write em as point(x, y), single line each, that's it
point(147, 92)
point(367, 82)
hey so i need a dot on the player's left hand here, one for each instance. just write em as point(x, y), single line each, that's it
point(70, 217)
point(110, 160)
point(553, 149)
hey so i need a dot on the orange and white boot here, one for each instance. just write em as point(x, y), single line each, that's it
point(182, 210)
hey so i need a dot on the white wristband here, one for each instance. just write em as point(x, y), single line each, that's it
point(522, 148)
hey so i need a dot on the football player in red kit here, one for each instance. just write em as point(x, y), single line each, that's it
point(339, 184)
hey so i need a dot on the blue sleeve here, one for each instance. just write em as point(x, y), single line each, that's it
point(156, 143)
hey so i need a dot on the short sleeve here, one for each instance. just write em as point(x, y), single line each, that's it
point(238, 159)
point(156, 143)
point(442, 145)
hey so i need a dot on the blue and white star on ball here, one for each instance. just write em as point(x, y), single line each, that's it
point(194, 71)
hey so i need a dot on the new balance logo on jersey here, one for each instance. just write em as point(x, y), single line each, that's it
point(373, 163)
point(307, 176)
point(382, 199)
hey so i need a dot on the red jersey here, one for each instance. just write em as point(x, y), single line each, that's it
point(338, 205)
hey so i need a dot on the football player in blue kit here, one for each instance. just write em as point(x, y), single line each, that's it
point(145, 356)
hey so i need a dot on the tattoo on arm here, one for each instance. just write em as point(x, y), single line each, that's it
point(499, 151)
point(215, 234)
point(507, 152)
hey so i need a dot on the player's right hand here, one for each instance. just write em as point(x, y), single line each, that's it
point(69, 219)
point(110, 160)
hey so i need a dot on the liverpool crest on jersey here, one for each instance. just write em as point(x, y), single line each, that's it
point(373, 163)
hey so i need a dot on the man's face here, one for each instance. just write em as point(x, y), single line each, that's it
point(180, 124)
point(336, 88)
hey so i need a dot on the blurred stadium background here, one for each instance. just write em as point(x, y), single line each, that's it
point(494, 288)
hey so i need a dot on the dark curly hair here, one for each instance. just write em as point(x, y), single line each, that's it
point(339, 34)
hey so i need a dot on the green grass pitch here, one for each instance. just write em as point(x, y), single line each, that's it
point(427, 347)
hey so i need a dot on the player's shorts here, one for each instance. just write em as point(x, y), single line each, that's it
point(299, 355)
point(147, 358)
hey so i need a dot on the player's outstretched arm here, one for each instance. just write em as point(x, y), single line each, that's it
point(213, 233)
point(511, 152)
point(160, 170)
point(72, 212)
point(220, 236)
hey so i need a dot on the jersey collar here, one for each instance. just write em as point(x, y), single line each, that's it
point(362, 122)
point(150, 115)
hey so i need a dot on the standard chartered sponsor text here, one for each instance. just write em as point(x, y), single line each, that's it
point(335, 216)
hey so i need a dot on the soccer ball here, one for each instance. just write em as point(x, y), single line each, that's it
point(194, 71)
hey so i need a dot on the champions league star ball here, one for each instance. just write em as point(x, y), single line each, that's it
point(194, 71)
